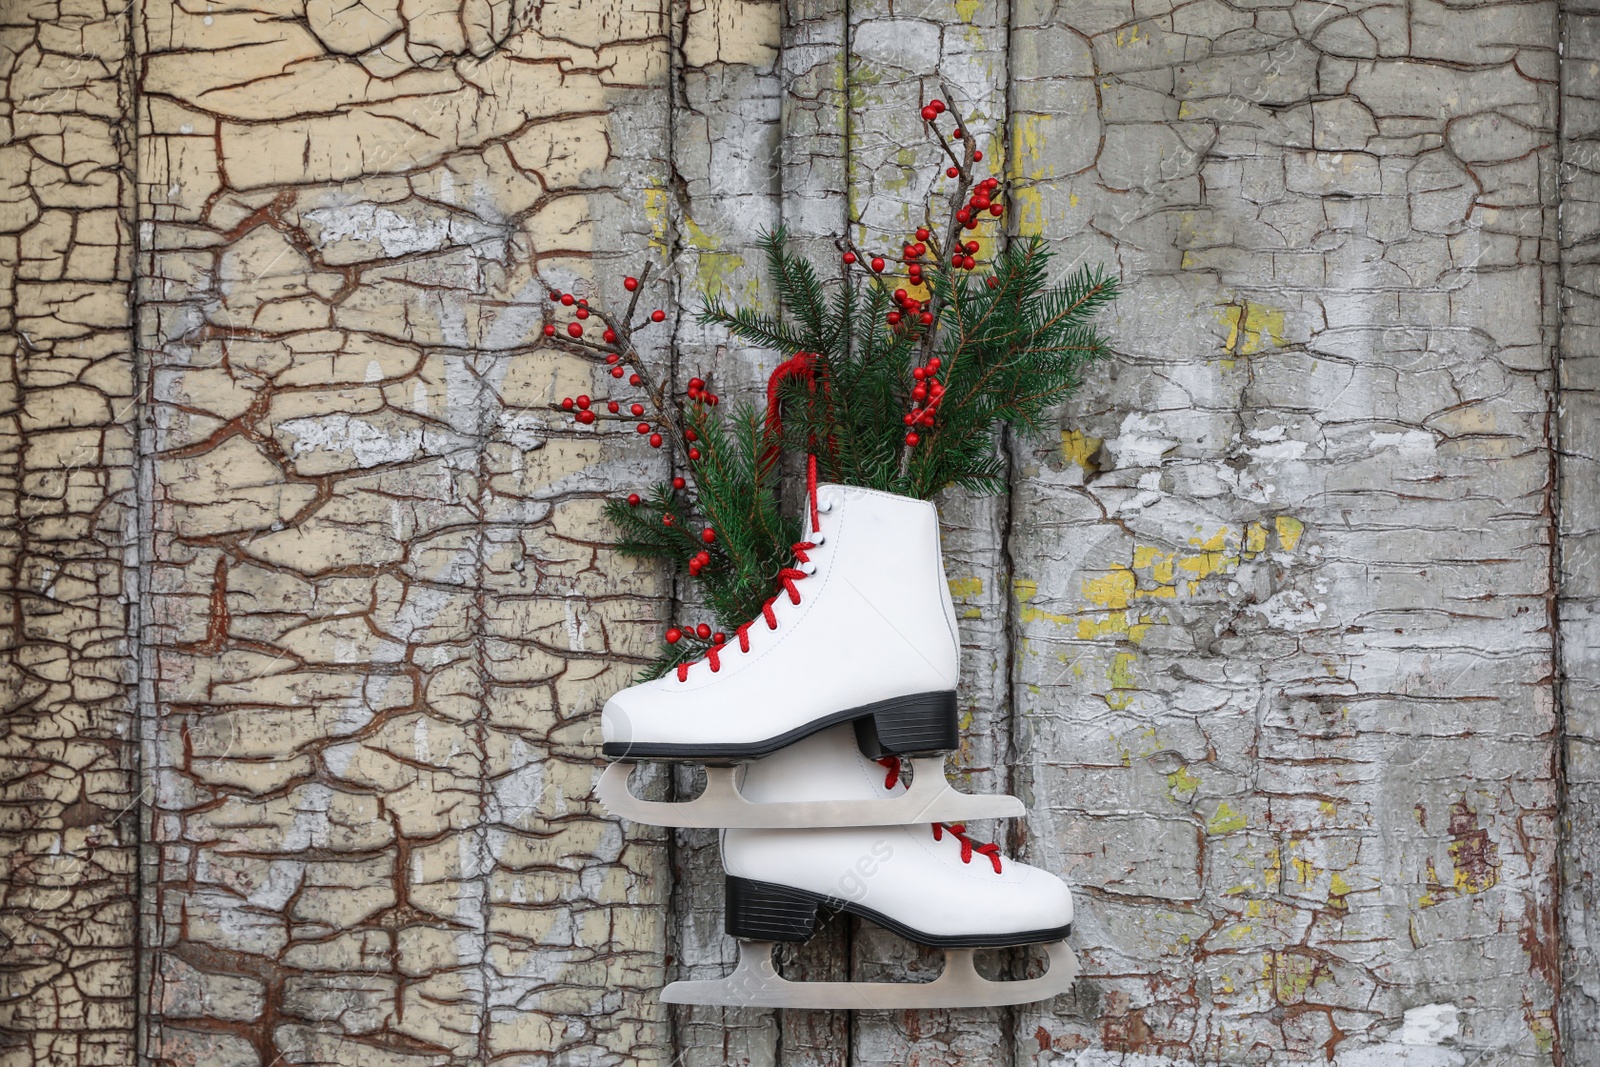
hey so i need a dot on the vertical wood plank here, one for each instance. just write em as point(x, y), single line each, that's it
point(1578, 507)
point(724, 194)
point(1282, 581)
point(380, 622)
point(812, 158)
point(69, 550)
point(898, 55)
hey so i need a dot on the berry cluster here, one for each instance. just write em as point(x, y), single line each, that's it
point(618, 354)
point(911, 312)
point(982, 200)
point(702, 631)
point(925, 397)
point(668, 421)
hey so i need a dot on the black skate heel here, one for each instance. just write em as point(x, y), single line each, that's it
point(762, 911)
point(919, 725)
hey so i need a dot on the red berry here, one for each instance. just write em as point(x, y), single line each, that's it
point(616, 372)
point(927, 318)
point(633, 379)
point(643, 427)
point(952, 172)
point(909, 418)
point(574, 330)
point(877, 263)
point(630, 284)
point(666, 520)
point(912, 439)
point(919, 373)
point(567, 300)
point(955, 260)
point(702, 631)
point(909, 252)
point(583, 313)
point(922, 249)
point(929, 114)
point(923, 234)
point(849, 257)
point(612, 406)
point(919, 392)
point(970, 224)
point(655, 440)
point(977, 155)
point(937, 105)
point(719, 638)
point(586, 417)
point(708, 535)
point(583, 400)
point(609, 337)
point(996, 209)
point(637, 409)
point(697, 383)
point(901, 296)
point(658, 315)
point(549, 329)
point(678, 483)
point(566, 403)
point(711, 398)
point(694, 568)
point(555, 296)
point(694, 453)
point(690, 435)
point(956, 134)
point(674, 635)
point(994, 283)
point(893, 318)
point(963, 215)
point(633, 500)
point(972, 248)
point(967, 263)
point(611, 357)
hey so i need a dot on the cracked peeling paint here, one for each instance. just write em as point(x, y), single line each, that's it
point(1277, 591)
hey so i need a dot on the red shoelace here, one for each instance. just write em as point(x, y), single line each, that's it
point(891, 764)
point(787, 578)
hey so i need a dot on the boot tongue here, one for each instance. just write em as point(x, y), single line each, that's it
point(825, 766)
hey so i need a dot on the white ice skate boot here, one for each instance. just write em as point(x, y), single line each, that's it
point(931, 884)
point(862, 630)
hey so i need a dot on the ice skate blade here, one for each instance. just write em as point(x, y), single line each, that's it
point(755, 983)
point(929, 799)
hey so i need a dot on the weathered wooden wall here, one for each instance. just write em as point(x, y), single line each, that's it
point(1268, 630)
point(1577, 428)
point(69, 582)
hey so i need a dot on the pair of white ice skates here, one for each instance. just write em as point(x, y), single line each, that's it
point(802, 718)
